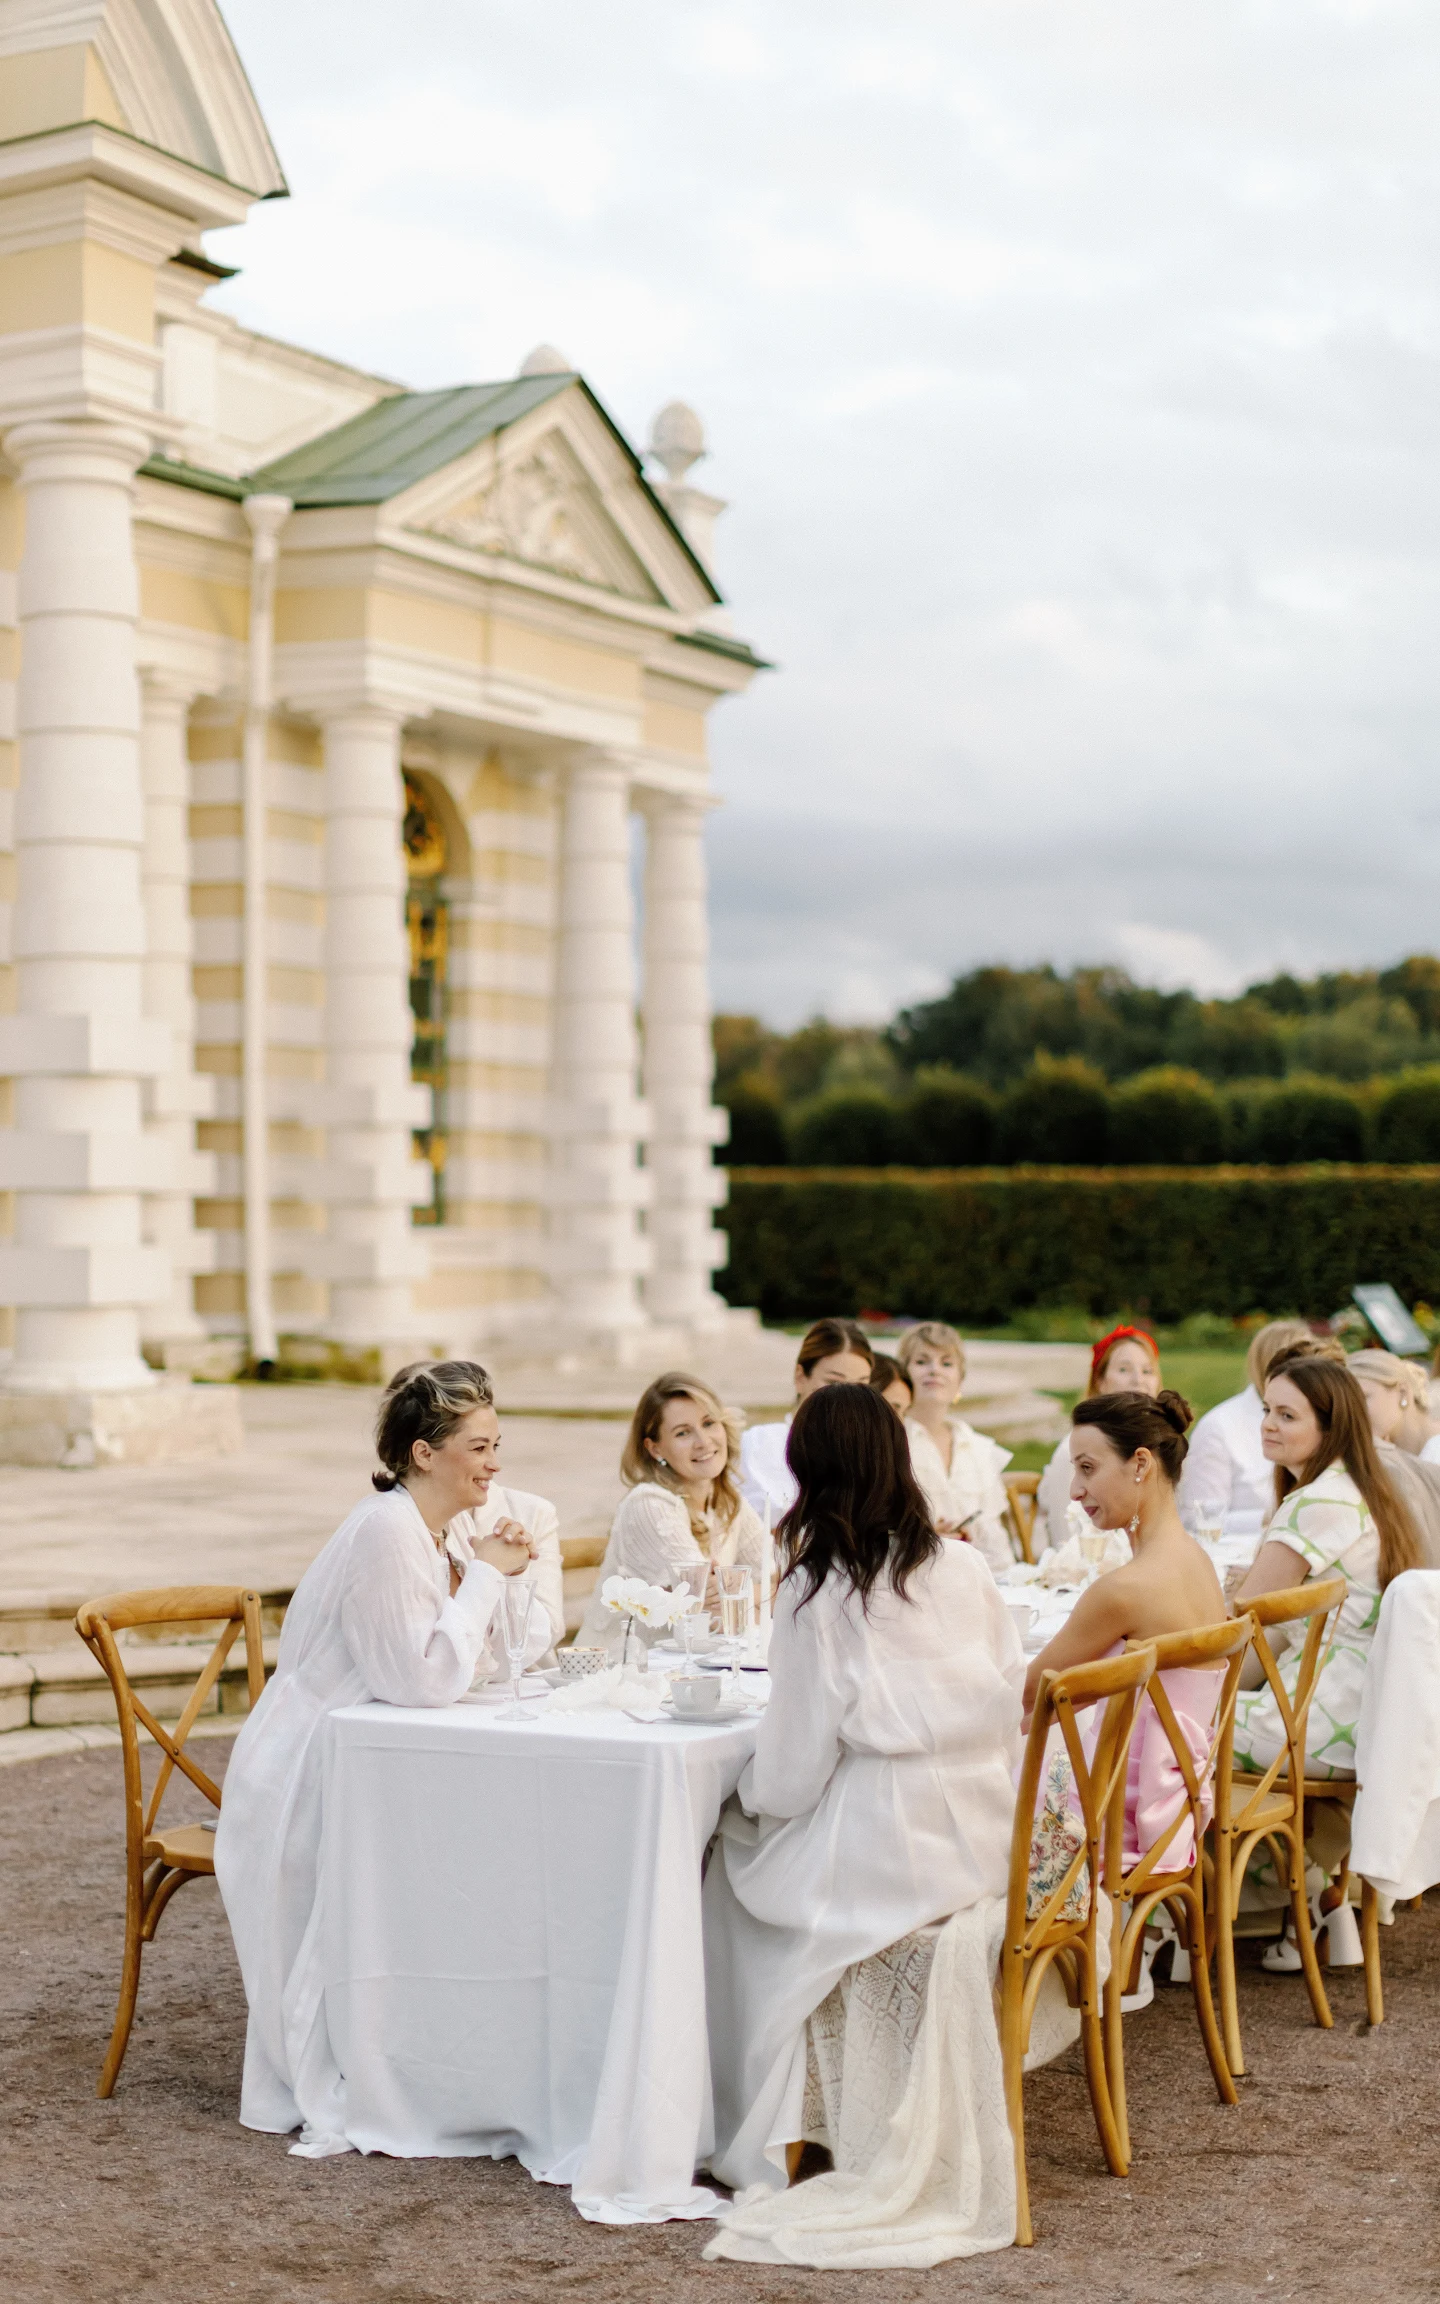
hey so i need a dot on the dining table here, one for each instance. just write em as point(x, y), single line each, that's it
point(512, 1953)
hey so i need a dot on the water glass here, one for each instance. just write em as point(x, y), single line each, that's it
point(737, 1605)
point(515, 1595)
point(1208, 1522)
point(689, 1578)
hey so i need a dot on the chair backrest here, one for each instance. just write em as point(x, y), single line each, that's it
point(97, 1623)
point(1021, 1494)
point(1212, 1647)
point(1117, 1682)
point(1318, 1600)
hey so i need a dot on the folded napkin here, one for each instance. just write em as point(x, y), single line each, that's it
point(614, 1691)
point(1069, 1565)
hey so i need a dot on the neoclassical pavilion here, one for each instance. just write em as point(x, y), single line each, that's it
point(330, 710)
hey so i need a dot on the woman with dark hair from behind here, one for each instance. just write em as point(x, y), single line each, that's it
point(391, 1609)
point(880, 1797)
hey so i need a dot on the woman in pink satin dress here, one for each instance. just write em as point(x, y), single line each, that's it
point(1126, 1454)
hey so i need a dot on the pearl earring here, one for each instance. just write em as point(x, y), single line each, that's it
point(663, 1464)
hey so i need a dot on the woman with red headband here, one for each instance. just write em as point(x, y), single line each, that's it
point(1127, 1360)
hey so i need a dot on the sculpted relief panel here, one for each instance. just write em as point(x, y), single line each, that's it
point(541, 510)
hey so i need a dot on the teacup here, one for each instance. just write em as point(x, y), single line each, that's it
point(1022, 1616)
point(579, 1663)
point(697, 1697)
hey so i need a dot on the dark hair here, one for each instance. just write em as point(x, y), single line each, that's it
point(825, 1338)
point(424, 1402)
point(1131, 1420)
point(886, 1372)
point(1338, 1404)
point(860, 1510)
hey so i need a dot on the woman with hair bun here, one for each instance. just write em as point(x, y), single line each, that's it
point(390, 1610)
point(1126, 1452)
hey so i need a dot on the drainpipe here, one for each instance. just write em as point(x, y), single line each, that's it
point(267, 516)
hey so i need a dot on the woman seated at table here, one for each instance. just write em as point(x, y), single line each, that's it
point(683, 1503)
point(1127, 1360)
point(385, 1611)
point(1397, 1398)
point(1226, 1465)
point(880, 1797)
point(831, 1352)
point(1335, 1510)
point(958, 1468)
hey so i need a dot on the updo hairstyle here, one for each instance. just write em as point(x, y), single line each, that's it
point(425, 1401)
point(1132, 1420)
point(825, 1338)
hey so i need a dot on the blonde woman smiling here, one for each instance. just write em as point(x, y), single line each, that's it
point(957, 1467)
point(679, 1466)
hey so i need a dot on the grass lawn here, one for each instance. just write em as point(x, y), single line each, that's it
point(1204, 1377)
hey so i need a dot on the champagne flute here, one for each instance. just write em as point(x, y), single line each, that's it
point(737, 1591)
point(514, 1631)
point(690, 1578)
point(1092, 1548)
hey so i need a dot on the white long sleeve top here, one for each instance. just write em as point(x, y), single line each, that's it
point(764, 1472)
point(652, 1528)
point(1225, 1463)
point(372, 1618)
point(541, 1523)
point(970, 1491)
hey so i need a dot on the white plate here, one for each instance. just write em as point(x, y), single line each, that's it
point(735, 1710)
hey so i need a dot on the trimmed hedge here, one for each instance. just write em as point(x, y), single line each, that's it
point(976, 1245)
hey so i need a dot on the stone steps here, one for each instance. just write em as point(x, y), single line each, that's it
point(69, 1688)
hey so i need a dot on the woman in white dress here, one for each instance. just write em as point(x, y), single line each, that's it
point(957, 1467)
point(1226, 1465)
point(831, 1352)
point(880, 1796)
point(393, 1609)
point(1127, 1360)
point(683, 1503)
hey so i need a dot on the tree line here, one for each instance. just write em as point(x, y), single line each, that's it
point(1088, 1069)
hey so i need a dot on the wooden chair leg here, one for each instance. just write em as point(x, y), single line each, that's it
point(1012, 2049)
point(1225, 1956)
point(1113, 2021)
point(1193, 1914)
point(1370, 1941)
point(125, 2008)
point(1304, 1934)
point(160, 1896)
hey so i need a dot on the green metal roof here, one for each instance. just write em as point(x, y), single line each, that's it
point(402, 439)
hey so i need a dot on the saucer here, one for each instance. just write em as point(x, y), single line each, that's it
point(735, 1709)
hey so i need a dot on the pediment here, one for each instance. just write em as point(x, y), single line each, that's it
point(538, 504)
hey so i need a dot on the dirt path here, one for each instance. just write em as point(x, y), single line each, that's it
point(1323, 2182)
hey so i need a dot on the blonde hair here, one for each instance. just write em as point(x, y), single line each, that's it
point(1389, 1369)
point(638, 1467)
point(938, 1335)
point(1269, 1342)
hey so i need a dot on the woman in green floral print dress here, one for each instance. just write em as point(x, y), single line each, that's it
point(1337, 1511)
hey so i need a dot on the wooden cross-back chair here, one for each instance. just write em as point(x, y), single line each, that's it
point(1180, 1888)
point(1038, 1932)
point(1271, 1806)
point(160, 1858)
point(1022, 1491)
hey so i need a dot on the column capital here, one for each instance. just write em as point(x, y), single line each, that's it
point(167, 694)
point(597, 765)
point(76, 448)
point(369, 711)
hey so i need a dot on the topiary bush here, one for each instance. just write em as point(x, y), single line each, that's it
point(847, 1128)
point(1298, 1120)
point(1166, 1118)
point(947, 1121)
point(1058, 1115)
point(1407, 1116)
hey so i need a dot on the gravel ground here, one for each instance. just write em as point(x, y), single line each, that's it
point(1323, 2182)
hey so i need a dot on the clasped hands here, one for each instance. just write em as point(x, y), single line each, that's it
point(508, 1547)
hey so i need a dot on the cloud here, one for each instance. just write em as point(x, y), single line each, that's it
point(1072, 366)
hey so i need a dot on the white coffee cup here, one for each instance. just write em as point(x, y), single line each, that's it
point(697, 1697)
point(1022, 1616)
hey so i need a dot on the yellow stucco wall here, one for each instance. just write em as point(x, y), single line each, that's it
point(55, 88)
point(73, 281)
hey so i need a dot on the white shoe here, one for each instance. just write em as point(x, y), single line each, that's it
point(1346, 1950)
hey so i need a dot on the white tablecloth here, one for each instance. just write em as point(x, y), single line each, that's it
point(512, 1949)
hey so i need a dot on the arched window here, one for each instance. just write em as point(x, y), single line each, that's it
point(427, 918)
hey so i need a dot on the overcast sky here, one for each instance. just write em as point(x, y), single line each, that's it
point(1072, 372)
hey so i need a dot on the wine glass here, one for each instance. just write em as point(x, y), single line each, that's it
point(514, 1631)
point(1208, 1522)
point(737, 1598)
point(1092, 1548)
point(690, 1578)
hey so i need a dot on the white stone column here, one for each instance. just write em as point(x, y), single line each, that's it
point(679, 1068)
point(180, 1096)
point(598, 1251)
point(79, 1046)
point(373, 1254)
